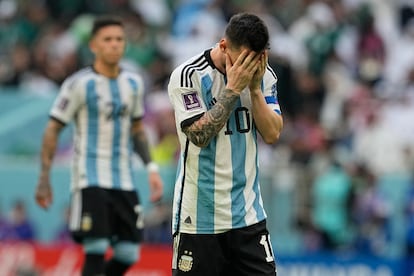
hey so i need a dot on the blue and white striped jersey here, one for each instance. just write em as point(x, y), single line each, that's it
point(102, 110)
point(217, 187)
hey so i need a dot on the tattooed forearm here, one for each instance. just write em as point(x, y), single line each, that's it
point(141, 145)
point(203, 130)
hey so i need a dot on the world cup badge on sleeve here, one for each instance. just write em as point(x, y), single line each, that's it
point(191, 100)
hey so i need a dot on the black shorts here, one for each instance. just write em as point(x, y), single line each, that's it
point(243, 252)
point(105, 213)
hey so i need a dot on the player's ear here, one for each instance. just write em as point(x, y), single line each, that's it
point(92, 46)
point(222, 45)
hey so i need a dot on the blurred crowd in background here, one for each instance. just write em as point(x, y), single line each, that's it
point(346, 90)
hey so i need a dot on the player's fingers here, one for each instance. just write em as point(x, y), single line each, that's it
point(266, 56)
point(156, 188)
point(242, 58)
point(261, 63)
point(43, 202)
point(156, 195)
point(228, 62)
point(252, 60)
point(264, 59)
point(160, 191)
point(255, 56)
point(253, 66)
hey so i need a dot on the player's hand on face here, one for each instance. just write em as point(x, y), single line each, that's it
point(156, 186)
point(256, 80)
point(43, 193)
point(240, 73)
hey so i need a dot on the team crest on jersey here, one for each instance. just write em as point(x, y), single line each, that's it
point(191, 100)
point(186, 261)
point(86, 222)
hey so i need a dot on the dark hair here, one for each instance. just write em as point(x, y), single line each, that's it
point(248, 30)
point(104, 21)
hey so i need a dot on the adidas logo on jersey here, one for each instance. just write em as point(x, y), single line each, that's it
point(188, 220)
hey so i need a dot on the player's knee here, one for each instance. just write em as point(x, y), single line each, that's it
point(126, 252)
point(95, 245)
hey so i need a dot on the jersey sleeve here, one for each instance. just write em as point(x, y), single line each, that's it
point(67, 102)
point(138, 108)
point(187, 101)
point(270, 90)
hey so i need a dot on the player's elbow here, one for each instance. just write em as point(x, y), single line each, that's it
point(271, 138)
point(271, 134)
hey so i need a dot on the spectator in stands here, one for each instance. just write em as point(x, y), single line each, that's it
point(22, 228)
point(18, 65)
point(370, 212)
point(331, 192)
point(370, 48)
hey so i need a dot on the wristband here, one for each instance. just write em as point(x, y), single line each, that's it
point(152, 167)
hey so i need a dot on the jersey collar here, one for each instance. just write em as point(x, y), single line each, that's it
point(207, 55)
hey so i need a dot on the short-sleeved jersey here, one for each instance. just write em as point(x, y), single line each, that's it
point(102, 110)
point(217, 187)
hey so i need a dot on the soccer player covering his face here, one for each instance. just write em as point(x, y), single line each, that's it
point(223, 99)
point(106, 104)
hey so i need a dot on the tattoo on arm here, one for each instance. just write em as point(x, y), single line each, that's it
point(141, 145)
point(203, 130)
